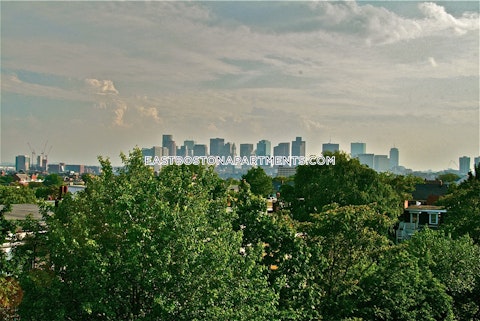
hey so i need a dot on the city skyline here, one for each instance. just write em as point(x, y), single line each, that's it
point(99, 78)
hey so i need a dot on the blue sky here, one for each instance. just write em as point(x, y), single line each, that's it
point(97, 78)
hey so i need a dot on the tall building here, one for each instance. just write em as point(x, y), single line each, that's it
point(229, 149)
point(464, 163)
point(381, 163)
point(217, 146)
point(22, 163)
point(329, 147)
point(155, 151)
point(366, 159)
point(200, 150)
point(264, 148)
point(298, 147)
point(476, 161)
point(394, 158)
point(357, 149)
point(189, 146)
point(169, 143)
point(246, 150)
point(282, 149)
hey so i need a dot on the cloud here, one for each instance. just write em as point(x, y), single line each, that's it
point(432, 61)
point(120, 109)
point(149, 112)
point(102, 87)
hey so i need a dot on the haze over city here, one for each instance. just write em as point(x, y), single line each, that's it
point(98, 78)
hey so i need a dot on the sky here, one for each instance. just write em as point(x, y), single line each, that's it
point(86, 79)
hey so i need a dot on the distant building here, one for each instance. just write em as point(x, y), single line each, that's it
point(329, 147)
point(229, 149)
point(394, 158)
point(79, 169)
point(366, 159)
point(169, 143)
point(476, 161)
point(200, 150)
point(282, 149)
point(217, 146)
point(155, 151)
point(286, 171)
point(357, 149)
point(264, 148)
point(381, 163)
point(464, 163)
point(56, 168)
point(188, 144)
point(22, 163)
point(298, 147)
point(246, 150)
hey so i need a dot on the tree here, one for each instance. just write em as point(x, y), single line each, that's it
point(134, 246)
point(260, 182)
point(456, 264)
point(345, 183)
point(448, 177)
point(463, 210)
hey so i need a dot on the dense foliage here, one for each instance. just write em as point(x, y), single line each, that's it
point(177, 246)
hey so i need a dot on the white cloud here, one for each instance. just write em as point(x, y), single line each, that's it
point(149, 112)
point(102, 87)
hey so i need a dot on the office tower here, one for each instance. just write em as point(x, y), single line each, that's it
point(169, 143)
point(217, 146)
point(264, 148)
point(246, 150)
point(476, 161)
point(22, 163)
point(366, 159)
point(381, 163)
point(189, 146)
point(464, 163)
point(394, 158)
point(200, 150)
point(357, 149)
point(228, 149)
point(282, 149)
point(329, 147)
point(298, 147)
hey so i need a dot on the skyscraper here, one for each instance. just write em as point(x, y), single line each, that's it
point(381, 163)
point(329, 147)
point(169, 143)
point(357, 149)
point(282, 149)
point(264, 148)
point(246, 150)
point(200, 150)
point(298, 147)
point(22, 163)
point(366, 159)
point(189, 147)
point(464, 163)
point(217, 146)
point(394, 158)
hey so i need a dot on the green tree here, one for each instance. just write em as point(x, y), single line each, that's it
point(134, 246)
point(448, 177)
point(260, 182)
point(345, 183)
point(463, 210)
point(53, 180)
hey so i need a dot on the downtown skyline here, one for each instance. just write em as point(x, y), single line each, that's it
point(98, 78)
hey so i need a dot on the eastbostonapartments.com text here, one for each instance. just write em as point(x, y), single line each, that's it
point(239, 161)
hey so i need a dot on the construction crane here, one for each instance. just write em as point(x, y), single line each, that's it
point(33, 154)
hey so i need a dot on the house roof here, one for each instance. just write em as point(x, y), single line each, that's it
point(424, 191)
